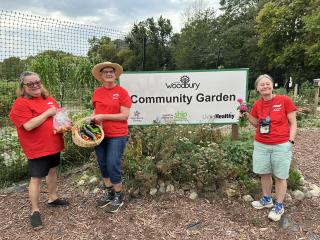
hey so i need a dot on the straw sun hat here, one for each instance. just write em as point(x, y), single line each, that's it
point(96, 70)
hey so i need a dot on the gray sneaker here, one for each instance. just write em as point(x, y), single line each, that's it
point(106, 199)
point(262, 203)
point(276, 212)
point(116, 203)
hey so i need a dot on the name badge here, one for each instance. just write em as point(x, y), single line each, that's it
point(264, 126)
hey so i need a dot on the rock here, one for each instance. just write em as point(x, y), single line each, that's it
point(96, 190)
point(193, 226)
point(304, 189)
point(170, 188)
point(289, 224)
point(153, 191)
point(285, 222)
point(161, 183)
point(247, 198)
point(86, 192)
point(298, 195)
point(84, 177)
point(93, 180)
point(81, 183)
point(162, 189)
point(193, 195)
point(314, 187)
point(135, 193)
point(308, 194)
point(288, 197)
point(314, 193)
point(302, 181)
point(180, 192)
point(312, 236)
point(231, 192)
point(186, 188)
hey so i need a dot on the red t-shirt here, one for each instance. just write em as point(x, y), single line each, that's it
point(40, 141)
point(277, 108)
point(109, 101)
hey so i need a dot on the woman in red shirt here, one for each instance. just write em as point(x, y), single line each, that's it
point(32, 114)
point(111, 104)
point(274, 117)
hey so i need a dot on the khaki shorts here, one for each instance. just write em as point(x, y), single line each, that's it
point(275, 159)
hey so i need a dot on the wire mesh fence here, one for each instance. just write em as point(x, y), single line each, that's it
point(58, 52)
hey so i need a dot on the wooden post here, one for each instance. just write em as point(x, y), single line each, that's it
point(295, 93)
point(316, 100)
point(235, 132)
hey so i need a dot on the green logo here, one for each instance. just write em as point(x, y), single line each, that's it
point(181, 116)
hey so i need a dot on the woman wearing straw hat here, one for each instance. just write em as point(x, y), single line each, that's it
point(32, 114)
point(111, 105)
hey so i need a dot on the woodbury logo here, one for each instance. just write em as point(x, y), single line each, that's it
point(184, 83)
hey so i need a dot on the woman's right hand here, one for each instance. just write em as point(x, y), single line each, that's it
point(51, 112)
point(243, 114)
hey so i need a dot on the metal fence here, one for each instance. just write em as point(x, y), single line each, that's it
point(58, 51)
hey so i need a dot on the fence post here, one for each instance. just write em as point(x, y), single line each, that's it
point(295, 93)
point(316, 100)
point(234, 132)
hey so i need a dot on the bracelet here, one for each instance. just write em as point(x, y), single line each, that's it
point(291, 141)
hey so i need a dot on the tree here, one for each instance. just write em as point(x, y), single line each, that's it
point(286, 36)
point(11, 68)
point(149, 42)
point(103, 49)
point(311, 38)
point(237, 36)
point(197, 45)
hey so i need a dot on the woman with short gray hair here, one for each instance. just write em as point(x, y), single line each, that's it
point(274, 117)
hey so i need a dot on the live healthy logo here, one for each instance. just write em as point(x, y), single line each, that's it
point(184, 83)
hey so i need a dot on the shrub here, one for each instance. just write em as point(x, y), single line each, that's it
point(294, 180)
point(13, 163)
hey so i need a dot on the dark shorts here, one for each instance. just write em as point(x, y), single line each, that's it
point(39, 167)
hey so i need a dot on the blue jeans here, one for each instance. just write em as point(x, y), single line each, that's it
point(109, 153)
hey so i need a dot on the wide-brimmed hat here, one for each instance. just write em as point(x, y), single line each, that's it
point(96, 70)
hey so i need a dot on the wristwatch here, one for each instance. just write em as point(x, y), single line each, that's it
point(291, 141)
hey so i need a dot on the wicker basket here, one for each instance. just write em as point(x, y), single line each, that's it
point(78, 140)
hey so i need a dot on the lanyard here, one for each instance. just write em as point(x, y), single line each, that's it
point(270, 108)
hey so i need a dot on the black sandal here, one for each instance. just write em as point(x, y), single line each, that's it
point(58, 202)
point(35, 220)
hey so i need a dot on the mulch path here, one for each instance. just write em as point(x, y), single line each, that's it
point(167, 216)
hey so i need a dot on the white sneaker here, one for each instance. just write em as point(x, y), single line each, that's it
point(276, 212)
point(262, 203)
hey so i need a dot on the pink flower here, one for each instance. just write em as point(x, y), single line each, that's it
point(243, 108)
point(240, 100)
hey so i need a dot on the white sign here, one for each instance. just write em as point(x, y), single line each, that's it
point(193, 97)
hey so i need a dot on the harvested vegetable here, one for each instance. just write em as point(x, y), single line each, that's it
point(89, 131)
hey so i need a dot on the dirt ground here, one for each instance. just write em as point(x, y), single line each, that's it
point(169, 216)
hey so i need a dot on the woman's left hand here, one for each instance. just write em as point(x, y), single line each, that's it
point(98, 118)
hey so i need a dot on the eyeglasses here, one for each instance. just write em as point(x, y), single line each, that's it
point(32, 84)
point(107, 72)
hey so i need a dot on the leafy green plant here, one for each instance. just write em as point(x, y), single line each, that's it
point(7, 97)
point(294, 180)
point(13, 163)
